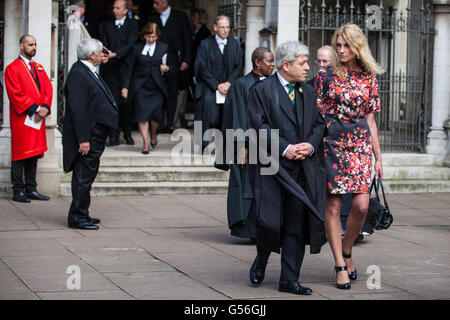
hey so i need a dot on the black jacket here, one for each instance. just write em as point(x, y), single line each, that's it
point(198, 37)
point(267, 110)
point(121, 41)
point(88, 102)
point(177, 34)
point(142, 67)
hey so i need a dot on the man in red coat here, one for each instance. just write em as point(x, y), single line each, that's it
point(30, 95)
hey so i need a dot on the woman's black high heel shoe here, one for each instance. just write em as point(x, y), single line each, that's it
point(344, 286)
point(352, 275)
point(153, 144)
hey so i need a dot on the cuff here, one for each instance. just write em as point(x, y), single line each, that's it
point(32, 109)
point(285, 150)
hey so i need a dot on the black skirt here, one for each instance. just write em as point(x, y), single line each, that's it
point(148, 103)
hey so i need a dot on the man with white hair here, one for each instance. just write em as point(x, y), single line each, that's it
point(324, 58)
point(290, 204)
point(91, 112)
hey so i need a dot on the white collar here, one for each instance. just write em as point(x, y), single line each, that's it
point(27, 62)
point(90, 66)
point(121, 21)
point(220, 40)
point(283, 81)
point(167, 12)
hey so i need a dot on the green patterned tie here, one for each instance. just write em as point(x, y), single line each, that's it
point(291, 92)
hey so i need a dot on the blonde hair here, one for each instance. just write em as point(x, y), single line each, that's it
point(357, 41)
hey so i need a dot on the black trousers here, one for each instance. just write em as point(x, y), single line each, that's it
point(113, 80)
point(85, 171)
point(294, 222)
point(29, 166)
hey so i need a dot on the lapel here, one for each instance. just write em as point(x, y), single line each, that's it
point(307, 99)
point(274, 112)
point(31, 77)
point(157, 54)
point(285, 102)
point(101, 85)
point(300, 105)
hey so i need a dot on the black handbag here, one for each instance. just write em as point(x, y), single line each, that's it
point(379, 215)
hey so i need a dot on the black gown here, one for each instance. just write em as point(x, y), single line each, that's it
point(240, 208)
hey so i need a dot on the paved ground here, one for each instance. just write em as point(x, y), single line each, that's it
point(179, 247)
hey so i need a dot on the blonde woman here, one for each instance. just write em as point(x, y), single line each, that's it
point(348, 98)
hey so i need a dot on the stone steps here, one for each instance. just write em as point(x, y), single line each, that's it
point(157, 174)
point(152, 188)
point(125, 171)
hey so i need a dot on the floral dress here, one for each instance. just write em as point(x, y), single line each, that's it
point(348, 144)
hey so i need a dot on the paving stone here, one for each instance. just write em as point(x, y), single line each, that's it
point(163, 286)
point(86, 295)
point(44, 274)
point(32, 248)
point(17, 224)
point(38, 234)
point(12, 288)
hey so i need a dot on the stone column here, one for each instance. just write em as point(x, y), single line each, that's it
point(437, 138)
point(288, 20)
point(37, 22)
point(12, 32)
point(254, 23)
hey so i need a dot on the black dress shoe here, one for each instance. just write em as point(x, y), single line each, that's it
point(258, 270)
point(153, 144)
point(129, 141)
point(94, 220)
point(21, 197)
point(293, 287)
point(37, 196)
point(112, 142)
point(83, 225)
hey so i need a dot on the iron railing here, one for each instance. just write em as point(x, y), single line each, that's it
point(401, 40)
point(62, 60)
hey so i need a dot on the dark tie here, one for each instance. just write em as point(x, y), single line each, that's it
point(119, 25)
point(34, 74)
point(291, 92)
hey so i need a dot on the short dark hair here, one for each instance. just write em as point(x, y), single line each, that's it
point(258, 54)
point(22, 38)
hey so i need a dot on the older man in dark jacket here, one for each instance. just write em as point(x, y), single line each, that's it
point(290, 203)
point(91, 112)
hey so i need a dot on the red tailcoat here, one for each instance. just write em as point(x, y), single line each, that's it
point(26, 142)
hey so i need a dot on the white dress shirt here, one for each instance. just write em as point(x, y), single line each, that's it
point(90, 66)
point(165, 16)
point(285, 83)
point(121, 22)
point(221, 43)
point(149, 48)
point(27, 62)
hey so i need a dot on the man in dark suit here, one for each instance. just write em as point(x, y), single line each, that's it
point(91, 111)
point(177, 34)
point(289, 204)
point(217, 65)
point(119, 35)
